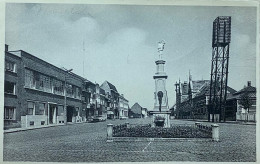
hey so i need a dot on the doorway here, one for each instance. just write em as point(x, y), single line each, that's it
point(52, 114)
point(69, 113)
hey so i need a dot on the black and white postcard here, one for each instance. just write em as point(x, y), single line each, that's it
point(131, 81)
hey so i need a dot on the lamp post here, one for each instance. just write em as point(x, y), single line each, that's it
point(65, 96)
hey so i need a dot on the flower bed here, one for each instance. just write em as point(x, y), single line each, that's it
point(175, 131)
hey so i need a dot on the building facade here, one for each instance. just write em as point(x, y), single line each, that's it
point(36, 93)
point(136, 111)
point(41, 92)
point(12, 90)
point(234, 104)
point(195, 103)
point(113, 102)
point(123, 107)
point(144, 112)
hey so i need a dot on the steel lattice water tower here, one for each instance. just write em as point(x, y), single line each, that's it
point(219, 68)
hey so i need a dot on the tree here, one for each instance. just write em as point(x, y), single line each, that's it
point(246, 101)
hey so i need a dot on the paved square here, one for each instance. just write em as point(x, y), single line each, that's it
point(87, 143)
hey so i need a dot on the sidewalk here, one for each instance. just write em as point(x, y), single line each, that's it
point(227, 122)
point(38, 127)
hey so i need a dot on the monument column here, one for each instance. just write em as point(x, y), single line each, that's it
point(161, 108)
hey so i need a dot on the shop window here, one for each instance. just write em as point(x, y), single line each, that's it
point(9, 113)
point(9, 87)
point(10, 66)
point(30, 108)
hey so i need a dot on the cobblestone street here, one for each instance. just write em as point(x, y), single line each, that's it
point(87, 143)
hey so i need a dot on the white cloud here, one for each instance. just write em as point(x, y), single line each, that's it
point(121, 42)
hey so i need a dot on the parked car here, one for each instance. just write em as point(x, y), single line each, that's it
point(123, 118)
point(99, 119)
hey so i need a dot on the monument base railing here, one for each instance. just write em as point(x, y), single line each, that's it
point(128, 132)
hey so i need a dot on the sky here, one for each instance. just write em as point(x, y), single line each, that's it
point(118, 43)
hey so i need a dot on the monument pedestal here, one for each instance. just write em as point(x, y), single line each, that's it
point(162, 114)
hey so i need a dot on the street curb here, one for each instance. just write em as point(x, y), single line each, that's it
point(235, 122)
point(40, 127)
point(19, 130)
point(139, 139)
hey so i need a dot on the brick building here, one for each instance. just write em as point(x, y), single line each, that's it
point(40, 88)
point(35, 94)
point(12, 89)
point(194, 103)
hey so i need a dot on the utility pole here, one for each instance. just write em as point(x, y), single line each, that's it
point(65, 95)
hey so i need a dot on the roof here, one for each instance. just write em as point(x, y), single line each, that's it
point(246, 89)
point(102, 91)
point(237, 95)
point(197, 84)
point(205, 90)
point(231, 90)
point(111, 86)
point(136, 108)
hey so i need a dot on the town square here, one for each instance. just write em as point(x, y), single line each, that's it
point(87, 143)
point(130, 83)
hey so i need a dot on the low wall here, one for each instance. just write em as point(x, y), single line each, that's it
point(212, 130)
point(246, 117)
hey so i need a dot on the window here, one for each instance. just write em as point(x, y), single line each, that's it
point(31, 123)
point(44, 83)
point(9, 87)
point(10, 66)
point(77, 93)
point(42, 108)
point(9, 113)
point(69, 90)
point(60, 110)
point(207, 100)
point(58, 87)
point(29, 79)
point(30, 108)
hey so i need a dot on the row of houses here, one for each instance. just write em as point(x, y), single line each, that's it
point(192, 101)
point(36, 93)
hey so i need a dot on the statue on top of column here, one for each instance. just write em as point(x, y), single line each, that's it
point(161, 48)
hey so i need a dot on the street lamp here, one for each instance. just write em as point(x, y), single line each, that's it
point(65, 96)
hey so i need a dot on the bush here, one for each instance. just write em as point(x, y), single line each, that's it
point(160, 132)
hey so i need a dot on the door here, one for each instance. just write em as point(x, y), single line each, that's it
point(69, 113)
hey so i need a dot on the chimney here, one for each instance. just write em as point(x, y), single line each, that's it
point(249, 83)
point(6, 47)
